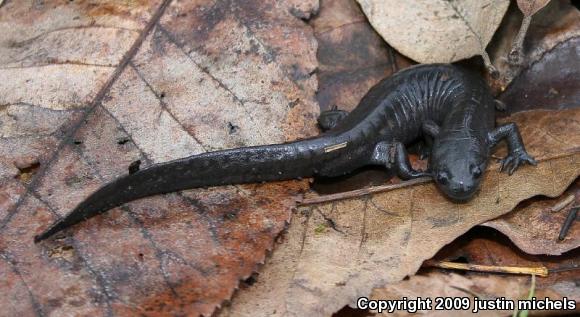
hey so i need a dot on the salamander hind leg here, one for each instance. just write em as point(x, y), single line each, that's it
point(394, 155)
point(331, 118)
point(517, 154)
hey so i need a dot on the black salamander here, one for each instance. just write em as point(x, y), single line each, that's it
point(450, 107)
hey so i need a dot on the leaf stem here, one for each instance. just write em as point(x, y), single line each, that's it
point(516, 55)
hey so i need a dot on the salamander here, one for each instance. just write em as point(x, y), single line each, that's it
point(448, 106)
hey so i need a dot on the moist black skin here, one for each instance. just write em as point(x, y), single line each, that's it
point(448, 106)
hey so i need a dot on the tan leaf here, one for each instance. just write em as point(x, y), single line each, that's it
point(534, 227)
point(436, 31)
point(85, 90)
point(438, 284)
point(484, 246)
point(338, 250)
point(530, 7)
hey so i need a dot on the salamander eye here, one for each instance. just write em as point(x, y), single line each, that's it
point(442, 178)
point(476, 172)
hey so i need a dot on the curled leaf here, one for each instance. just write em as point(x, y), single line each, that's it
point(534, 227)
point(436, 31)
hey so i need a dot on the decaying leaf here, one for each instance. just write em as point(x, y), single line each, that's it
point(338, 250)
point(534, 228)
point(85, 90)
point(550, 83)
point(548, 54)
point(436, 31)
point(352, 57)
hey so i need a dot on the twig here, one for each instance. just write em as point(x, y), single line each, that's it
point(568, 223)
point(362, 192)
point(540, 271)
point(563, 203)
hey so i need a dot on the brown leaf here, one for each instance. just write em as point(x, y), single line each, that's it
point(436, 31)
point(550, 83)
point(548, 76)
point(152, 81)
point(339, 250)
point(352, 56)
point(534, 227)
point(530, 7)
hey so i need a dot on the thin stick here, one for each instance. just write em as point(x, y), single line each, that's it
point(362, 192)
point(568, 223)
point(540, 271)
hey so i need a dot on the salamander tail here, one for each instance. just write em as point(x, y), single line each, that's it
point(235, 166)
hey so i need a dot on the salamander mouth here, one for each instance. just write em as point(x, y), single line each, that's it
point(462, 198)
point(458, 197)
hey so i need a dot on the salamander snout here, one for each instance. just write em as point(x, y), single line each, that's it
point(460, 189)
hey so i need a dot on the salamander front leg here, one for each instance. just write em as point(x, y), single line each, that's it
point(517, 152)
point(402, 165)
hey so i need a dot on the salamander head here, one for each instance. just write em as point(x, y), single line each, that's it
point(458, 167)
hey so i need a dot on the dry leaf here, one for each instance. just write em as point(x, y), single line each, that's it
point(549, 75)
point(550, 83)
point(485, 246)
point(436, 31)
point(530, 7)
point(534, 228)
point(339, 250)
point(439, 284)
point(87, 89)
